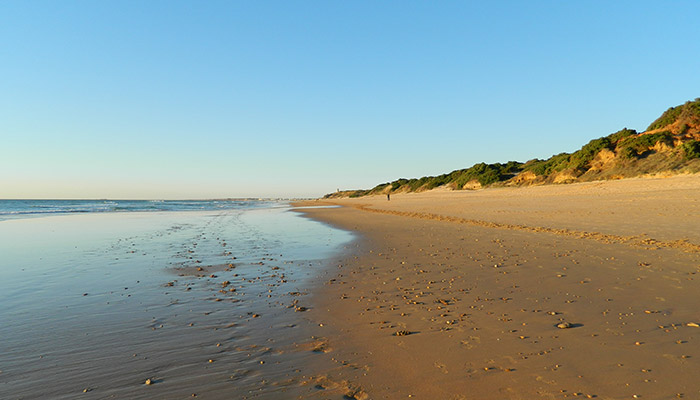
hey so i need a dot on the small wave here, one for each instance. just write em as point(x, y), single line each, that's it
point(17, 208)
point(66, 211)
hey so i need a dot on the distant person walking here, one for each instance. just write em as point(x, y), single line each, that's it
point(388, 197)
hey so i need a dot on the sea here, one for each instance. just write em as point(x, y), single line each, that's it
point(12, 209)
point(97, 297)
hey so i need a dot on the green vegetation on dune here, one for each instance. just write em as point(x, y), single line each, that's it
point(546, 167)
point(637, 145)
point(624, 153)
point(579, 161)
point(688, 111)
point(484, 174)
point(691, 149)
point(667, 118)
point(621, 134)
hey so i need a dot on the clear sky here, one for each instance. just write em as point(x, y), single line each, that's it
point(202, 99)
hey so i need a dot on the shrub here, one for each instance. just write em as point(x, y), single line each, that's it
point(398, 183)
point(359, 193)
point(627, 152)
point(582, 158)
point(538, 168)
point(691, 149)
point(621, 134)
point(511, 167)
point(379, 188)
point(485, 174)
point(488, 177)
point(690, 109)
point(555, 163)
point(667, 118)
point(642, 143)
point(415, 184)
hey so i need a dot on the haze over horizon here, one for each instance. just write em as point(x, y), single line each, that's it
point(182, 100)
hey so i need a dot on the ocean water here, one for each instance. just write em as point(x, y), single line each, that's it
point(12, 209)
point(97, 297)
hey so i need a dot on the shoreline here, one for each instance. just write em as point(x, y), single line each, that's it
point(205, 303)
point(450, 295)
point(476, 306)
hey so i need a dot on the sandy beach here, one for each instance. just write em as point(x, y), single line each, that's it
point(349, 200)
point(549, 292)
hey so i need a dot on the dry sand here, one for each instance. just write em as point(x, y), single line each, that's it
point(457, 295)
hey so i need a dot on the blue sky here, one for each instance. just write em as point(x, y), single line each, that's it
point(186, 99)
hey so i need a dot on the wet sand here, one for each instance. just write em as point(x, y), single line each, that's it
point(161, 305)
point(458, 295)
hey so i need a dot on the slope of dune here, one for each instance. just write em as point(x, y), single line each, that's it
point(670, 145)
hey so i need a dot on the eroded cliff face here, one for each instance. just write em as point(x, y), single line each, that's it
point(671, 145)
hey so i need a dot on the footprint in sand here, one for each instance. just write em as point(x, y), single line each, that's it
point(442, 367)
